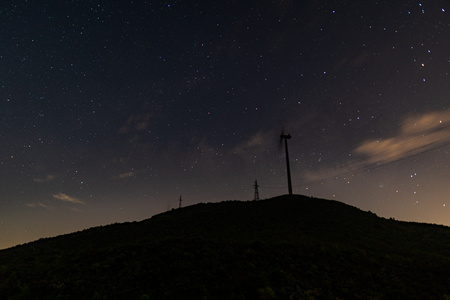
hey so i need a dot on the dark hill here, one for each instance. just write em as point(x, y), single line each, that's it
point(288, 247)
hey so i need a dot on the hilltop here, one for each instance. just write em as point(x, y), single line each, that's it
point(287, 247)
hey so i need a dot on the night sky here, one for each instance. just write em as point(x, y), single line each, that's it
point(112, 110)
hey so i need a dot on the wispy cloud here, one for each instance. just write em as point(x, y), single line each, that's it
point(66, 198)
point(125, 175)
point(258, 140)
point(44, 179)
point(75, 209)
point(416, 135)
point(39, 204)
point(136, 123)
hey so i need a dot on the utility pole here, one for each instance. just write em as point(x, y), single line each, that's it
point(179, 205)
point(256, 191)
point(288, 169)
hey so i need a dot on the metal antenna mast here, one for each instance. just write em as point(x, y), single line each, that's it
point(256, 191)
point(287, 137)
point(179, 205)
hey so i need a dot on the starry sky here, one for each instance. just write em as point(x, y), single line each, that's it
point(112, 110)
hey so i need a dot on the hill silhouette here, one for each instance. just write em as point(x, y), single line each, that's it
point(287, 247)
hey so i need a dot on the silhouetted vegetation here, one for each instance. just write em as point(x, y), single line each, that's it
point(288, 247)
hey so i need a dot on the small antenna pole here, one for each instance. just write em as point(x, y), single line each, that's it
point(256, 191)
point(179, 205)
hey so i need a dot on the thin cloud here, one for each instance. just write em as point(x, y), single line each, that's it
point(126, 175)
point(75, 209)
point(44, 179)
point(66, 198)
point(258, 140)
point(39, 204)
point(136, 123)
point(416, 135)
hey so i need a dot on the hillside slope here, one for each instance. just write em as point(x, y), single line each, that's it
point(288, 247)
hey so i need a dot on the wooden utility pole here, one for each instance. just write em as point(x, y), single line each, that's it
point(287, 137)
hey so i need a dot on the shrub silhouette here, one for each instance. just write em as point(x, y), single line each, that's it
point(288, 247)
